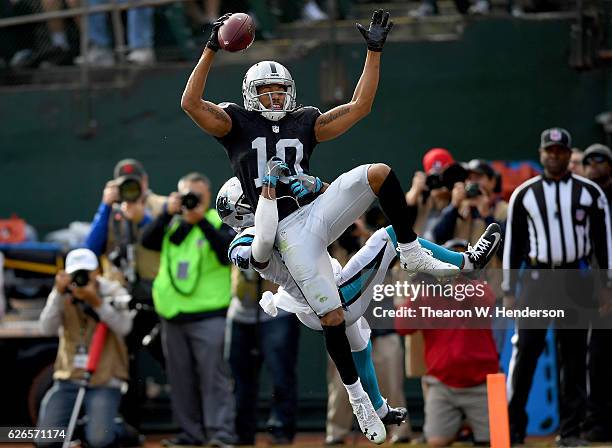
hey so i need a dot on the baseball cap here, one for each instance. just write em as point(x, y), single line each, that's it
point(480, 166)
point(79, 259)
point(436, 159)
point(597, 149)
point(129, 167)
point(556, 137)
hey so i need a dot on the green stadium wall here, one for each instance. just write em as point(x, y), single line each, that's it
point(487, 95)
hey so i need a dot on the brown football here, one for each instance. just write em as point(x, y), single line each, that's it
point(237, 33)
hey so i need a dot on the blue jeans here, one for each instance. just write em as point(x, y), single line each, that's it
point(101, 405)
point(274, 342)
point(139, 27)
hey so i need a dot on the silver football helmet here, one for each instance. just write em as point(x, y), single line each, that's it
point(232, 206)
point(264, 73)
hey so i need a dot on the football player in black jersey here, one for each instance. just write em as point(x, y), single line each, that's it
point(271, 125)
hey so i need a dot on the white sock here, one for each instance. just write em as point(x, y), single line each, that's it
point(467, 264)
point(383, 410)
point(58, 39)
point(355, 391)
point(403, 247)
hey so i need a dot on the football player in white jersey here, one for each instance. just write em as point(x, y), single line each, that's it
point(355, 282)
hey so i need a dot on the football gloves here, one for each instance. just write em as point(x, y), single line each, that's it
point(275, 169)
point(376, 35)
point(213, 40)
point(303, 185)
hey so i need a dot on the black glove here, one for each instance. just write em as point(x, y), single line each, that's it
point(213, 40)
point(376, 35)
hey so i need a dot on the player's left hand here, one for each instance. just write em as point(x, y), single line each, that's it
point(303, 185)
point(376, 35)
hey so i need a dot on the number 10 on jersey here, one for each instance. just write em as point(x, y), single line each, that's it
point(282, 146)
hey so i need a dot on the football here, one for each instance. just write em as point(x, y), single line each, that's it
point(237, 33)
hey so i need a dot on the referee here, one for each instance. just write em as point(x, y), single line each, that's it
point(555, 221)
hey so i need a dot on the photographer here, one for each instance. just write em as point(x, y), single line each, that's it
point(191, 294)
point(127, 206)
point(79, 299)
point(429, 191)
point(474, 205)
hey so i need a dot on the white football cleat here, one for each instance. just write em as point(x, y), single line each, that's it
point(419, 259)
point(369, 422)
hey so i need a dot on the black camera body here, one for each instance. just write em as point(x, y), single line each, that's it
point(190, 200)
point(472, 190)
point(80, 278)
point(130, 189)
point(448, 178)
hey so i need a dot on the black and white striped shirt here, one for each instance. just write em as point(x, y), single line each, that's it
point(556, 223)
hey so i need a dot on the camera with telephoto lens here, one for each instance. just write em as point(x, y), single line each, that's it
point(448, 178)
point(190, 200)
point(130, 189)
point(80, 278)
point(472, 190)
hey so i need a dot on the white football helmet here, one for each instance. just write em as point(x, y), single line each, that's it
point(264, 73)
point(232, 206)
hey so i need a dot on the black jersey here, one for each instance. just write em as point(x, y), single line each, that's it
point(254, 140)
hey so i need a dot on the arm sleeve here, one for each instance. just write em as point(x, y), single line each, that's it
point(119, 321)
point(266, 222)
point(50, 318)
point(98, 234)
point(601, 240)
point(445, 228)
point(219, 239)
point(516, 237)
point(153, 233)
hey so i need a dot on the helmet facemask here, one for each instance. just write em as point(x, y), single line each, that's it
point(263, 74)
point(232, 206)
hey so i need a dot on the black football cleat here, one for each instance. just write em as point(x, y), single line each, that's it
point(485, 248)
point(395, 416)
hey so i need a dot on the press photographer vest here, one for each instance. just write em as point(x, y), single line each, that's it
point(191, 279)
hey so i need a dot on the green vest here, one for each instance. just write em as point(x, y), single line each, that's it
point(191, 279)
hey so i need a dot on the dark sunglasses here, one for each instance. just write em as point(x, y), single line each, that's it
point(596, 159)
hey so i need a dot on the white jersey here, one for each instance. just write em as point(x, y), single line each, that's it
point(239, 253)
point(355, 281)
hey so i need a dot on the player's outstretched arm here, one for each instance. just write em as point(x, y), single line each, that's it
point(211, 118)
point(338, 120)
point(266, 214)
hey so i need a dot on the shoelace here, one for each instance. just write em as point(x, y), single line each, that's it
point(362, 414)
point(481, 247)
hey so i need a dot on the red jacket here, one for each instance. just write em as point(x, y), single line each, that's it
point(458, 357)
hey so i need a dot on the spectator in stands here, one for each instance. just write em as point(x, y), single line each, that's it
point(81, 297)
point(192, 294)
point(256, 338)
point(429, 192)
point(575, 164)
point(597, 164)
point(201, 17)
point(458, 356)
point(430, 8)
point(139, 37)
